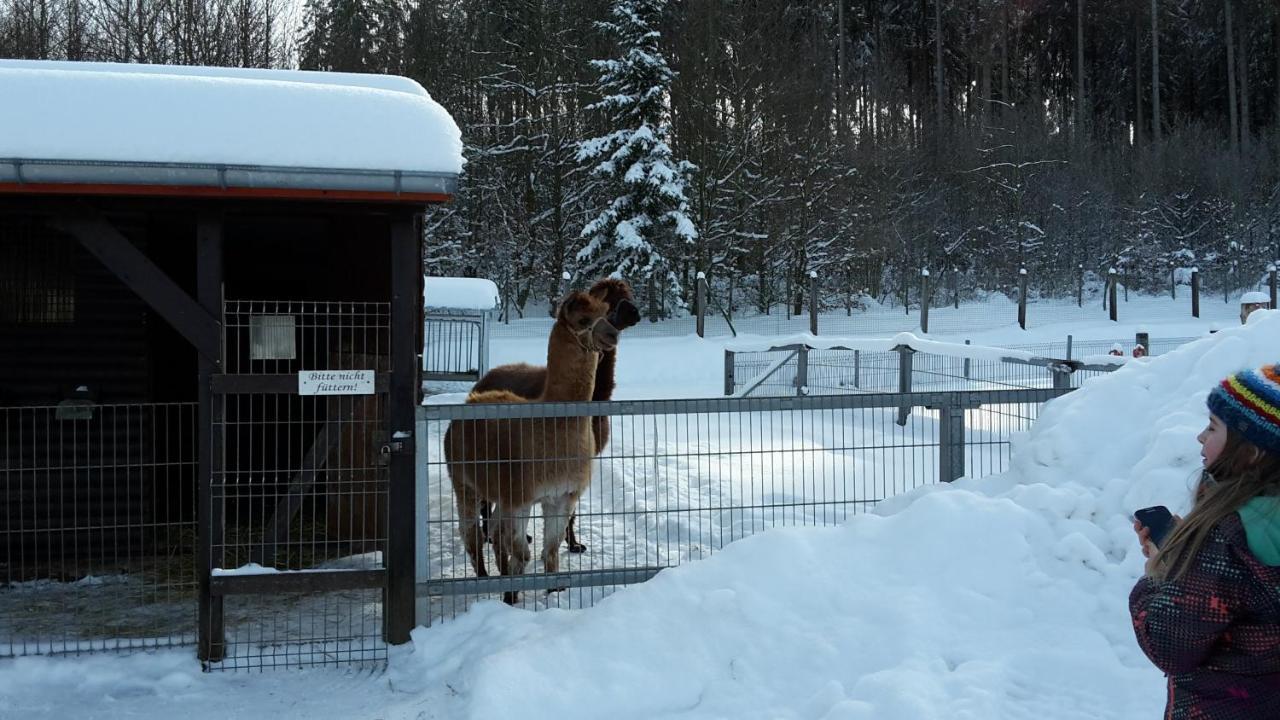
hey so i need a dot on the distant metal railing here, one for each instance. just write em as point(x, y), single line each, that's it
point(680, 479)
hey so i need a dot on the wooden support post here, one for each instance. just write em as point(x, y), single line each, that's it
point(700, 303)
point(406, 316)
point(1271, 284)
point(924, 300)
point(857, 369)
point(813, 302)
point(1080, 286)
point(955, 287)
point(1022, 298)
point(1195, 292)
point(210, 630)
point(1111, 295)
point(1143, 339)
point(1069, 347)
point(729, 380)
point(966, 364)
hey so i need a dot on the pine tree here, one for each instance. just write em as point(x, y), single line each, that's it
point(648, 218)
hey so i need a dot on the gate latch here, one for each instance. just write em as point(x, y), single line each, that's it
point(397, 445)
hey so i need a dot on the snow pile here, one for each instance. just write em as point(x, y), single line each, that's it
point(150, 113)
point(1002, 597)
point(456, 293)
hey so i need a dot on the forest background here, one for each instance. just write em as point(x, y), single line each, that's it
point(861, 140)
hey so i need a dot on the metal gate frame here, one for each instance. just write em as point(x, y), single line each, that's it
point(398, 383)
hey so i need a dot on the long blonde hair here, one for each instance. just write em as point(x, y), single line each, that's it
point(1241, 472)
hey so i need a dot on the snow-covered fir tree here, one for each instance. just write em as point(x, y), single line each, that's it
point(647, 220)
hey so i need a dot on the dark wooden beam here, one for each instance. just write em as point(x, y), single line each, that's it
point(210, 631)
point(197, 324)
point(406, 319)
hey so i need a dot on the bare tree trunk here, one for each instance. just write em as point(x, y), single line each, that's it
point(1156, 130)
point(1242, 57)
point(1081, 111)
point(937, 60)
point(1275, 53)
point(1004, 62)
point(1233, 129)
point(840, 119)
point(1140, 125)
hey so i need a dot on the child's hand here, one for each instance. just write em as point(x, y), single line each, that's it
point(1144, 539)
point(1149, 548)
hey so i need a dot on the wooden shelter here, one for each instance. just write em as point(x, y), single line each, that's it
point(211, 318)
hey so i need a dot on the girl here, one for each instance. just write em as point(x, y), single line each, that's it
point(1207, 612)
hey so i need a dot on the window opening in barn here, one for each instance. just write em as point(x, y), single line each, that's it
point(37, 275)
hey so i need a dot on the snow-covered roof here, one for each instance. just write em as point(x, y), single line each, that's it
point(456, 293)
point(1255, 298)
point(227, 128)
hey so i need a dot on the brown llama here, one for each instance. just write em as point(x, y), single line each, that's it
point(527, 380)
point(512, 464)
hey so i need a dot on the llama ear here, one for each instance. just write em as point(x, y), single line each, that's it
point(574, 302)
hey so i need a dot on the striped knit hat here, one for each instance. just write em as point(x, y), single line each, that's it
point(1248, 403)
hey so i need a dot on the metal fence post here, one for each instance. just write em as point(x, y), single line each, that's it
point(955, 287)
point(1022, 298)
point(950, 442)
point(1144, 339)
point(1080, 286)
point(1195, 292)
point(400, 598)
point(728, 372)
point(1061, 373)
point(802, 370)
point(1111, 295)
point(924, 300)
point(1271, 284)
point(857, 369)
point(1068, 347)
point(905, 362)
point(813, 302)
point(700, 303)
point(966, 364)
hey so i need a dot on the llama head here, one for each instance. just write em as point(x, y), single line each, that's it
point(584, 315)
point(622, 302)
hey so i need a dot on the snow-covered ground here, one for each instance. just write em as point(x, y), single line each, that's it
point(997, 597)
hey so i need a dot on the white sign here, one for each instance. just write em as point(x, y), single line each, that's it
point(335, 382)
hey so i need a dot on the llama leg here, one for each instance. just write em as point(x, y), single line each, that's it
point(556, 512)
point(571, 537)
point(469, 503)
point(510, 547)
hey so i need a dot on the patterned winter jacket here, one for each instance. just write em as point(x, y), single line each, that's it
point(1216, 631)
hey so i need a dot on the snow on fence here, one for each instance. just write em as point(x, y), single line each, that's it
point(680, 479)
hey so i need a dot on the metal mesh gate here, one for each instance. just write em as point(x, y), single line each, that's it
point(299, 482)
point(97, 527)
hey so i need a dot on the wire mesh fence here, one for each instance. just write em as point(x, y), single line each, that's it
point(97, 527)
point(946, 319)
point(798, 370)
point(677, 481)
point(299, 484)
